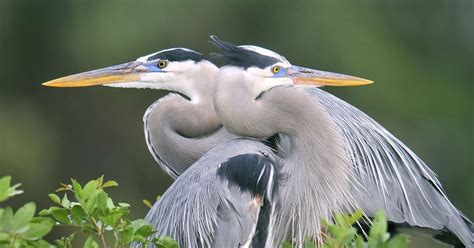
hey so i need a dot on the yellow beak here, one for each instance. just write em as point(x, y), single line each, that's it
point(301, 75)
point(128, 72)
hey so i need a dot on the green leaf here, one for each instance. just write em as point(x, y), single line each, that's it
point(137, 224)
point(126, 235)
point(356, 217)
point(110, 203)
point(348, 236)
point(65, 242)
point(102, 202)
point(4, 186)
point(359, 242)
point(65, 202)
point(48, 211)
point(165, 242)
point(110, 184)
point(113, 217)
point(398, 241)
point(78, 214)
point(340, 220)
point(91, 202)
point(100, 181)
point(23, 215)
point(38, 230)
point(61, 215)
point(147, 203)
point(142, 228)
point(124, 205)
point(4, 237)
point(77, 190)
point(90, 187)
point(55, 198)
point(379, 227)
point(6, 220)
point(7, 191)
point(90, 243)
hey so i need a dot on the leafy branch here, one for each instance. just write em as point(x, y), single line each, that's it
point(93, 213)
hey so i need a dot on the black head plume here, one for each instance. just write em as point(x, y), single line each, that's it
point(238, 56)
point(177, 54)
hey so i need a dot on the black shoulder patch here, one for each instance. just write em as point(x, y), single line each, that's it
point(250, 172)
point(237, 56)
point(177, 54)
point(253, 173)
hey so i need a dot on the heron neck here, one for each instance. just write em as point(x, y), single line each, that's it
point(179, 131)
point(316, 163)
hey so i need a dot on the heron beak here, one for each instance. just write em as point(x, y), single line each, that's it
point(301, 75)
point(128, 72)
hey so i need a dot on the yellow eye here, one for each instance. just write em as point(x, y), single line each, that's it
point(162, 64)
point(275, 69)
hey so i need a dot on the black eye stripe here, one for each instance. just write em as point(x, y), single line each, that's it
point(241, 57)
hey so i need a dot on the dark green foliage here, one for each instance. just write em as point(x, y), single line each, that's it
point(21, 228)
point(343, 234)
point(93, 213)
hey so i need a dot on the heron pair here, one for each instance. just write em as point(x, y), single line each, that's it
point(261, 157)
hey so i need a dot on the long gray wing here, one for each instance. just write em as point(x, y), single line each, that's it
point(391, 176)
point(217, 201)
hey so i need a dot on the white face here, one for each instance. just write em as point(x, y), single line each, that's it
point(270, 76)
point(179, 76)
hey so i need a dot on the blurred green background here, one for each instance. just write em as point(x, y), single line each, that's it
point(419, 53)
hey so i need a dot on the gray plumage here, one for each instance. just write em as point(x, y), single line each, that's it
point(334, 157)
point(178, 132)
point(337, 159)
point(384, 173)
point(318, 173)
point(204, 208)
point(180, 129)
point(392, 177)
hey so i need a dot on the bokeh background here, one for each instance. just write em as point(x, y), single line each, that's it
point(419, 53)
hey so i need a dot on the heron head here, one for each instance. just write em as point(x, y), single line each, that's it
point(265, 69)
point(176, 69)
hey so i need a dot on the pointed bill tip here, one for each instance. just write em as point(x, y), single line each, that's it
point(332, 81)
point(89, 80)
point(301, 75)
point(115, 74)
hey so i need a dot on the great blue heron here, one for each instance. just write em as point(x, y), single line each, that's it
point(178, 130)
point(337, 158)
point(225, 198)
point(383, 170)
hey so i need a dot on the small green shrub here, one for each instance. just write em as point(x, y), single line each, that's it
point(21, 228)
point(91, 212)
point(343, 234)
point(94, 214)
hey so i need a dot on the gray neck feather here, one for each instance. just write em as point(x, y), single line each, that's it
point(179, 132)
point(317, 167)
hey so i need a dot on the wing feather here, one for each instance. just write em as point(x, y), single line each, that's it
point(391, 176)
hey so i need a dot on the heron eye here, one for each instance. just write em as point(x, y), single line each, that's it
point(275, 69)
point(162, 64)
